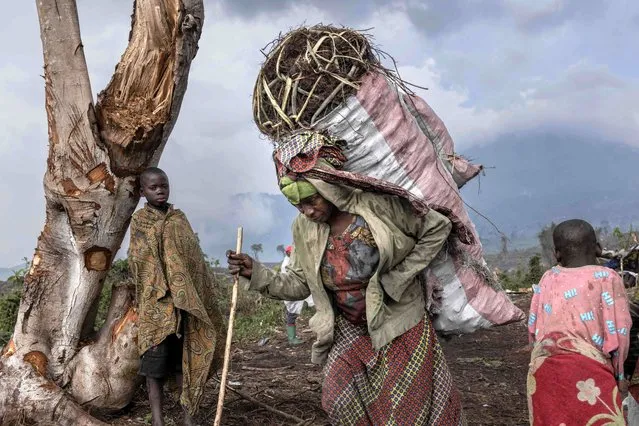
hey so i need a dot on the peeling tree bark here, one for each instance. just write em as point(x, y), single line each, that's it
point(95, 155)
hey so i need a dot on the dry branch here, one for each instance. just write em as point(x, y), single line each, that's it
point(249, 398)
point(229, 337)
point(249, 368)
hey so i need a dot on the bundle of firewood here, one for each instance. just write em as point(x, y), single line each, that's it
point(307, 73)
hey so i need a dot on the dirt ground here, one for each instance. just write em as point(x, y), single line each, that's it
point(489, 368)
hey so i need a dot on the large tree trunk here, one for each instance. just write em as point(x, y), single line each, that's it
point(95, 156)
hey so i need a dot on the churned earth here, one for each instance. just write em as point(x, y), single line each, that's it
point(489, 368)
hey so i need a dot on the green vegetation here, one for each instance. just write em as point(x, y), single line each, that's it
point(623, 240)
point(10, 295)
point(523, 277)
point(256, 316)
point(9, 305)
point(118, 273)
point(261, 320)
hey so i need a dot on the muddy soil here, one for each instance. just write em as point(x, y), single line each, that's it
point(489, 368)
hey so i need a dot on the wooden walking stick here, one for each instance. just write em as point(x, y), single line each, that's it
point(229, 337)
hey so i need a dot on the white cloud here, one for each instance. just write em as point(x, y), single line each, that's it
point(510, 68)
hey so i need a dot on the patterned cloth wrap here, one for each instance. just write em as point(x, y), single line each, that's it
point(301, 151)
point(571, 383)
point(407, 382)
point(315, 155)
point(174, 289)
point(347, 279)
point(631, 366)
point(296, 190)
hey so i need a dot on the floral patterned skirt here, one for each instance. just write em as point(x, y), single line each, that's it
point(568, 388)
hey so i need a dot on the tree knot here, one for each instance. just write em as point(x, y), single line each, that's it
point(97, 258)
point(38, 361)
point(189, 23)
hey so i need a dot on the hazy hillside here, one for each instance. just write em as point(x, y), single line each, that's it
point(541, 178)
point(5, 273)
point(531, 180)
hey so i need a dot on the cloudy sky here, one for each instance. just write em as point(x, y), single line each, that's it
point(492, 67)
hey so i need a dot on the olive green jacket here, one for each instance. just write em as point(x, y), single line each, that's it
point(394, 296)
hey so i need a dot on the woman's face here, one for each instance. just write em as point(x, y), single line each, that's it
point(316, 208)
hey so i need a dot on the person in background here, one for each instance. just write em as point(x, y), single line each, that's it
point(294, 307)
point(579, 325)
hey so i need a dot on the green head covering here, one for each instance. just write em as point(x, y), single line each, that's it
point(296, 191)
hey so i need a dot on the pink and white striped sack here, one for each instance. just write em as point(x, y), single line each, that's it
point(399, 139)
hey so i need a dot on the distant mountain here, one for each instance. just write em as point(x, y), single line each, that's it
point(540, 178)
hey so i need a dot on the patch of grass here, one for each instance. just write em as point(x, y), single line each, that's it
point(256, 316)
point(523, 278)
point(262, 322)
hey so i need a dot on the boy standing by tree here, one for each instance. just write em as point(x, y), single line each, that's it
point(180, 327)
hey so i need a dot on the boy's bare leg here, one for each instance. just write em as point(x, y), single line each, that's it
point(188, 419)
point(154, 387)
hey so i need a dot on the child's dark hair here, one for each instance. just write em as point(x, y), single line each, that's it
point(575, 238)
point(151, 171)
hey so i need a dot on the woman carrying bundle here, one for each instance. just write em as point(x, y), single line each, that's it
point(360, 255)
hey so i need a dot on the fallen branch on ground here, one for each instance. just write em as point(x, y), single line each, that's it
point(249, 368)
point(249, 398)
point(267, 407)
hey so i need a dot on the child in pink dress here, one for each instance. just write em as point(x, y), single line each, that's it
point(579, 324)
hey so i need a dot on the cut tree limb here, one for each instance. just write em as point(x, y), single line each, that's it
point(137, 110)
point(28, 392)
point(95, 156)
